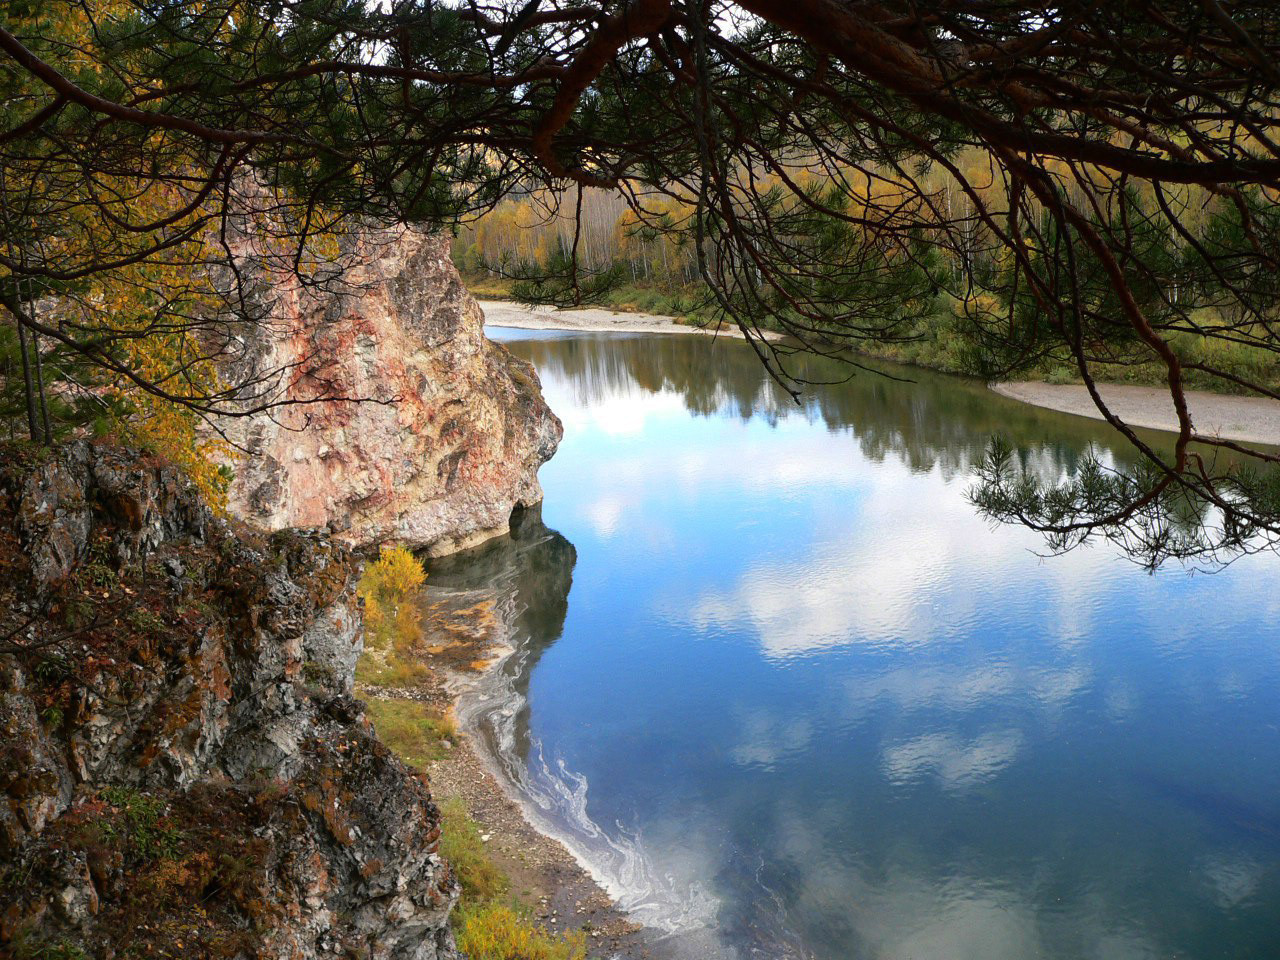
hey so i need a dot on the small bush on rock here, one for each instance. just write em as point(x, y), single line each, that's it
point(141, 829)
point(389, 586)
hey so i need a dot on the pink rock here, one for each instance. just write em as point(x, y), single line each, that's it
point(449, 429)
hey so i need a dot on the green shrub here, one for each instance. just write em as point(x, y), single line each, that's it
point(140, 829)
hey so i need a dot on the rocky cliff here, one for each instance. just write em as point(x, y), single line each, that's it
point(451, 429)
point(186, 772)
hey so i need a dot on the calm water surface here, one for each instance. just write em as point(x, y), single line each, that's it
point(789, 696)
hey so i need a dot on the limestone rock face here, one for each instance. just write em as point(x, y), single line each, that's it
point(185, 770)
point(451, 429)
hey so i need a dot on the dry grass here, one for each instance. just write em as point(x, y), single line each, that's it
point(501, 933)
point(413, 730)
point(460, 844)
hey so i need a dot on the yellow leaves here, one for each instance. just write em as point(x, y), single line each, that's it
point(137, 272)
point(389, 589)
point(980, 305)
point(154, 312)
point(172, 433)
point(150, 309)
point(394, 575)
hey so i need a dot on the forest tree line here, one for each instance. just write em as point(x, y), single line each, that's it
point(635, 250)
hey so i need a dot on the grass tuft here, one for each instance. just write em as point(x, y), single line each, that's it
point(502, 933)
point(414, 731)
point(460, 844)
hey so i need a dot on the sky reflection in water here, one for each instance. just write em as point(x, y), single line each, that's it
point(815, 685)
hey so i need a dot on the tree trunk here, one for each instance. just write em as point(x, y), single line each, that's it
point(32, 425)
point(40, 395)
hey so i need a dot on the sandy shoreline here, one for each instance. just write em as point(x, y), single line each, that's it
point(544, 875)
point(1247, 419)
point(507, 313)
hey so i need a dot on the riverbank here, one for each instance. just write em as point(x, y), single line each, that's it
point(508, 313)
point(1247, 419)
point(537, 875)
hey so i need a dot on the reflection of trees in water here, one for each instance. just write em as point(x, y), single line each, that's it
point(527, 575)
point(934, 421)
point(710, 379)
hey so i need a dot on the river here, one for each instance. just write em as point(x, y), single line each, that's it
point(788, 695)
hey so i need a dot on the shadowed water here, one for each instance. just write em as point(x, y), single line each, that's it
point(788, 695)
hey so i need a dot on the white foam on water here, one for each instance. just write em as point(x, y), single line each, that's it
point(554, 798)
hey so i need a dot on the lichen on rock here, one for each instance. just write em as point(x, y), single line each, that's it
point(186, 772)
